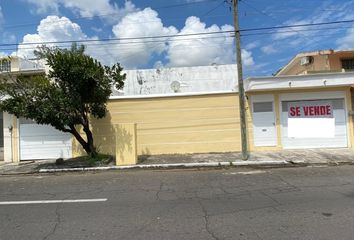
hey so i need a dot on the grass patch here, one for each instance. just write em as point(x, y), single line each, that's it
point(100, 159)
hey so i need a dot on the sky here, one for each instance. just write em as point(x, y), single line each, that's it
point(154, 34)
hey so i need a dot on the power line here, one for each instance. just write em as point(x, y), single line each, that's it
point(109, 14)
point(297, 25)
point(274, 19)
point(177, 35)
point(265, 14)
point(291, 31)
point(135, 22)
point(129, 43)
point(117, 39)
point(185, 4)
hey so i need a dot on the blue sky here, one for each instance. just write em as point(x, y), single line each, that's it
point(264, 52)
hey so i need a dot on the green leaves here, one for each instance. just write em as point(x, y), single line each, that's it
point(77, 86)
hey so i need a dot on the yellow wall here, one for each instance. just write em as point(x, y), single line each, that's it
point(189, 124)
point(183, 124)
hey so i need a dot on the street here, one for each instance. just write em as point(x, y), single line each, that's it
point(237, 203)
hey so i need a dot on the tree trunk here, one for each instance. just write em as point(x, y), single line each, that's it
point(88, 145)
point(91, 147)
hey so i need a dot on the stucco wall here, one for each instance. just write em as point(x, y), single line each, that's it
point(348, 104)
point(191, 79)
point(184, 124)
point(321, 62)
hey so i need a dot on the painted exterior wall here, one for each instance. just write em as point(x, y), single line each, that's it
point(335, 60)
point(183, 124)
point(327, 60)
point(15, 64)
point(320, 63)
point(192, 124)
point(191, 79)
point(348, 104)
point(10, 137)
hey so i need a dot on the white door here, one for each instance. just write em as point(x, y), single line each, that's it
point(264, 130)
point(43, 142)
point(322, 132)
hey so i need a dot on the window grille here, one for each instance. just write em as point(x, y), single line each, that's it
point(5, 66)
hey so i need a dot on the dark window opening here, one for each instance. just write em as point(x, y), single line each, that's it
point(348, 64)
point(5, 66)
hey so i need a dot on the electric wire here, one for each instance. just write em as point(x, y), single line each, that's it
point(179, 35)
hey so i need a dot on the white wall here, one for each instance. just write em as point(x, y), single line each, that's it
point(191, 79)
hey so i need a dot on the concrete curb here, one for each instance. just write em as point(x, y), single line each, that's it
point(173, 165)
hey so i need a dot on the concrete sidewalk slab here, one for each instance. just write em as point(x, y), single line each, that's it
point(295, 156)
point(257, 159)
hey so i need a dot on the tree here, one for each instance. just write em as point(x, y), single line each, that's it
point(76, 88)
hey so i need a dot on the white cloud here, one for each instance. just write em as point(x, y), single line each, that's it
point(201, 50)
point(85, 8)
point(252, 45)
point(145, 23)
point(296, 36)
point(268, 49)
point(290, 32)
point(99, 7)
point(45, 6)
point(247, 59)
point(134, 53)
point(51, 29)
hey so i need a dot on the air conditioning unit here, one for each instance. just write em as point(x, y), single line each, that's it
point(305, 61)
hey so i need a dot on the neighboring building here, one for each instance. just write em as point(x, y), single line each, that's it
point(319, 62)
point(16, 64)
point(23, 139)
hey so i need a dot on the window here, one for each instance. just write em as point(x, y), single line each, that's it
point(5, 66)
point(262, 107)
point(348, 64)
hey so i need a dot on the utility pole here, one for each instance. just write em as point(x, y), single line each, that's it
point(241, 90)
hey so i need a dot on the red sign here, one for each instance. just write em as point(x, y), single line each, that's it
point(310, 109)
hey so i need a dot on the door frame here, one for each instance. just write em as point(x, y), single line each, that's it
point(259, 99)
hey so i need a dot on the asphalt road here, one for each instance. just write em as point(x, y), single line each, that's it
point(294, 203)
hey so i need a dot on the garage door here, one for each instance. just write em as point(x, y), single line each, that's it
point(317, 123)
point(43, 142)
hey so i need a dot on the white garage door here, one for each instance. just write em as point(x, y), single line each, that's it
point(317, 131)
point(43, 142)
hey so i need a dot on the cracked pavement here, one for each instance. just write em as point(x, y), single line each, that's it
point(287, 203)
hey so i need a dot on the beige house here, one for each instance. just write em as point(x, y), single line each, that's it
point(323, 61)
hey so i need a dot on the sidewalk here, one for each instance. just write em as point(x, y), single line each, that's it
point(257, 159)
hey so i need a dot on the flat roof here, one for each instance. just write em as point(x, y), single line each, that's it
point(299, 81)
